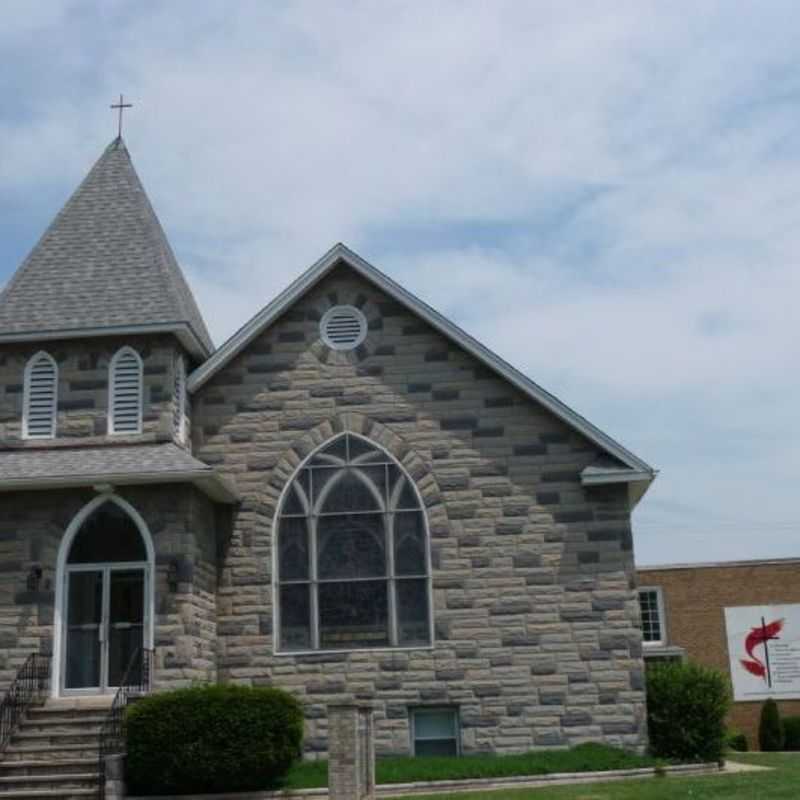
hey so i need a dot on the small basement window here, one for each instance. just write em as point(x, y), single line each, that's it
point(434, 732)
point(343, 327)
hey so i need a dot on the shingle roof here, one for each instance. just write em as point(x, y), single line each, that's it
point(122, 464)
point(104, 262)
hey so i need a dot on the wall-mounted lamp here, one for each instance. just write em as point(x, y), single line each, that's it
point(34, 578)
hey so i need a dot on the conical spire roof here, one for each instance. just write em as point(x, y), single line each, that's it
point(103, 265)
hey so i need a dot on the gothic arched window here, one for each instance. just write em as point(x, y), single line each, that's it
point(352, 559)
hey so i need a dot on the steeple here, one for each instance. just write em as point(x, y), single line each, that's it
point(104, 266)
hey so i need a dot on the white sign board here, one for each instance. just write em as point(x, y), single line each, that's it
point(764, 649)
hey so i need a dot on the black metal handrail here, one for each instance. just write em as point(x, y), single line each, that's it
point(28, 687)
point(135, 683)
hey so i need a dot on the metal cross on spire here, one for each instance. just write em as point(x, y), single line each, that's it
point(121, 105)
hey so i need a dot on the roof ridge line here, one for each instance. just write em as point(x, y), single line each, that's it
point(73, 197)
point(158, 238)
point(106, 239)
point(341, 253)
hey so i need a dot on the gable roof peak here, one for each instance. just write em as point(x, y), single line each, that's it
point(103, 266)
point(632, 466)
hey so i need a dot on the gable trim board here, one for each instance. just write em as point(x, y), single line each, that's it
point(635, 470)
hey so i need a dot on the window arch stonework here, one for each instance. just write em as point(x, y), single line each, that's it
point(352, 553)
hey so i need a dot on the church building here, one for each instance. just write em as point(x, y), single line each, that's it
point(351, 499)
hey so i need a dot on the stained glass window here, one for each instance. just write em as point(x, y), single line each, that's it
point(353, 564)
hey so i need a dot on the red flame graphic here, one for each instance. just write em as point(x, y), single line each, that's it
point(760, 635)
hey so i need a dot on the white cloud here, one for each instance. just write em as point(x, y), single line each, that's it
point(606, 195)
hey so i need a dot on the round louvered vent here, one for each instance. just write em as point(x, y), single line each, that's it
point(343, 327)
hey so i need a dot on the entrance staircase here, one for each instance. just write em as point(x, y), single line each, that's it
point(54, 751)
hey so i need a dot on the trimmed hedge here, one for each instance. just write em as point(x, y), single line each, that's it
point(212, 739)
point(770, 728)
point(791, 730)
point(686, 708)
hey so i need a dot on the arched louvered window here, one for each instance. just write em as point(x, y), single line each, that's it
point(353, 565)
point(40, 401)
point(125, 392)
point(179, 400)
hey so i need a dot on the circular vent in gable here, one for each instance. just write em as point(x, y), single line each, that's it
point(343, 327)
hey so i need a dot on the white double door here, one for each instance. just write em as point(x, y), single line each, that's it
point(106, 616)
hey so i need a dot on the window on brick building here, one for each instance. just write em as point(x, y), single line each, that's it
point(651, 604)
point(353, 564)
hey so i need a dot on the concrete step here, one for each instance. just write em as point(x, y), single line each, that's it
point(68, 724)
point(88, 738)
point(46, 714)
point(47, 794)
point(95, 702)
point(48, 752)
point(23, 783)
point(61, 767)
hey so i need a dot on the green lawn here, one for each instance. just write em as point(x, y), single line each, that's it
point(781, 783)
point(585, 758)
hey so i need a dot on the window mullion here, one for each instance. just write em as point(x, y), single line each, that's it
point(314, 583)
point(391, 588)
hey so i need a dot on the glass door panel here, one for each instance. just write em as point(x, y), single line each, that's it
point(125, 623)
point(84, 628)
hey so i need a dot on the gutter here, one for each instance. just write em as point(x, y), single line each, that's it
point(211, 483)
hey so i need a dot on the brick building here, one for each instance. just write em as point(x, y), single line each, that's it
point(683, 616)
point(351, 499)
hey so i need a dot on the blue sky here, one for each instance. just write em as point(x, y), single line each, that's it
point(604, 193)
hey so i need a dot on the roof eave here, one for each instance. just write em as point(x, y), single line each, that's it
point(217, 487)
point(638, 480)
point(183, 331)
point(340, 252)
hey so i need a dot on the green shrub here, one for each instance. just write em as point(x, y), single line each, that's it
point(736, 740)
point(791, 730)
point(770, 728)
point(686, 708)
point(212, 739)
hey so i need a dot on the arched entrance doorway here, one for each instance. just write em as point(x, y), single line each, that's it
point(104, 597)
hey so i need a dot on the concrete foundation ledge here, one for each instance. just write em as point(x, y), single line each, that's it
point(483, 784)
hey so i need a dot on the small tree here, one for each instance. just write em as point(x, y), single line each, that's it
point(686, 709)
point(770, 728)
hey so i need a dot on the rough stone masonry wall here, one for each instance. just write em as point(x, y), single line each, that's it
point(180, 521)
point(537, 630)
point(83, 367)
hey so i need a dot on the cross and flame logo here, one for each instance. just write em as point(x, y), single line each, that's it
point(761, 635)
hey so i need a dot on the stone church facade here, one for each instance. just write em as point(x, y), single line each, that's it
point(350, 499)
